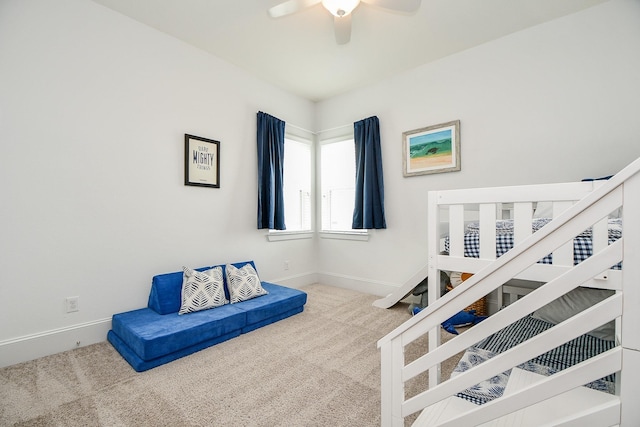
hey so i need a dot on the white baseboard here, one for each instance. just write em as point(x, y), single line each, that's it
point(46, 343)
point(296, 281)
point(367, 286)
point(359, 284)
point(380, 288)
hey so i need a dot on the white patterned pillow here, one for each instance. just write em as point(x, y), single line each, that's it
point(202, 290)
point(243, 283)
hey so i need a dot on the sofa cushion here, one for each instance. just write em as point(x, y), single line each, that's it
point(140, 365)
point(166, 292)
point(151, 335)
point(280, 302)
point(243, 283)
point(202, 290)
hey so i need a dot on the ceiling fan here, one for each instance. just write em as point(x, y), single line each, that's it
point(341, 11)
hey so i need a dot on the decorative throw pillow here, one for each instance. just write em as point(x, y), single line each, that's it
point(243, 283)
point(202, 290)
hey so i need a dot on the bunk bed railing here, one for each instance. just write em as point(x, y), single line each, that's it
point(622, 190)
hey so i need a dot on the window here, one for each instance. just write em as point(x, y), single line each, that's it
point(337, 172)
point(298, 172)
point(297, 185)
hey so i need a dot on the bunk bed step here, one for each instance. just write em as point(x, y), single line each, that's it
point(442, 411)
point(573, 408)
point(562, 407)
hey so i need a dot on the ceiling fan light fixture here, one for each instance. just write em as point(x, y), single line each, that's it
point(340, 7)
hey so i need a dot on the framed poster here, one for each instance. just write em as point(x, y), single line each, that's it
point(432, 149)
point(201, 161)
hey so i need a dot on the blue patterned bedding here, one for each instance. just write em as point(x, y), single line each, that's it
point(582, 244)
point(562, 357)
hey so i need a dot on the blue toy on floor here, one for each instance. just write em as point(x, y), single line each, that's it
point(463, 318)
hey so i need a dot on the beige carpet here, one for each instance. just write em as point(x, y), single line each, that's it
point(317, 368)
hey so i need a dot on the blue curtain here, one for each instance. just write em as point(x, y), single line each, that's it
point(270, 172)
point(368, 212)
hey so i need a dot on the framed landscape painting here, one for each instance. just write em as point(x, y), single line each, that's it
point(432, 149)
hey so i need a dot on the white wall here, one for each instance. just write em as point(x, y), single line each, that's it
point(93, 112)
point(94, 108)
point(557, 102)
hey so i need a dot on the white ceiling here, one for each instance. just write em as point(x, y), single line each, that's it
point(298, 52)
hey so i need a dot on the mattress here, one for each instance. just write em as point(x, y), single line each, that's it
point(555, 360)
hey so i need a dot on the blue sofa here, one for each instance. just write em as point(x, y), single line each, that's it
point(155, 335)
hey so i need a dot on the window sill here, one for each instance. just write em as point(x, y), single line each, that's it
point(345, 235)
point(278, 236)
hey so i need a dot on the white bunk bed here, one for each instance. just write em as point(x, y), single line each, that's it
point(559, 397)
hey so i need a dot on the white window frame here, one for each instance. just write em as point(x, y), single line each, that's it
point(299, 135)
point(360, 235)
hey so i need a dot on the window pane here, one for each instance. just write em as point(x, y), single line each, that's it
point(297, 185)
point(338, 185)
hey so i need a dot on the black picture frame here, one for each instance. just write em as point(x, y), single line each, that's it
point(201, 161)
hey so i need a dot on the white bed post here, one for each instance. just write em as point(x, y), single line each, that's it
point(392, 387)
point(433, 248)
point(488, 238)
point(630, 338)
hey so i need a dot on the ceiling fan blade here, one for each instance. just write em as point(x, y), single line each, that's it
point(290, 6)
point(342, 27)
point(407, 6)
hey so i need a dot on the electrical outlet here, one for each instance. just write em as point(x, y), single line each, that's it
point(286, 265)
point(73, 304)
